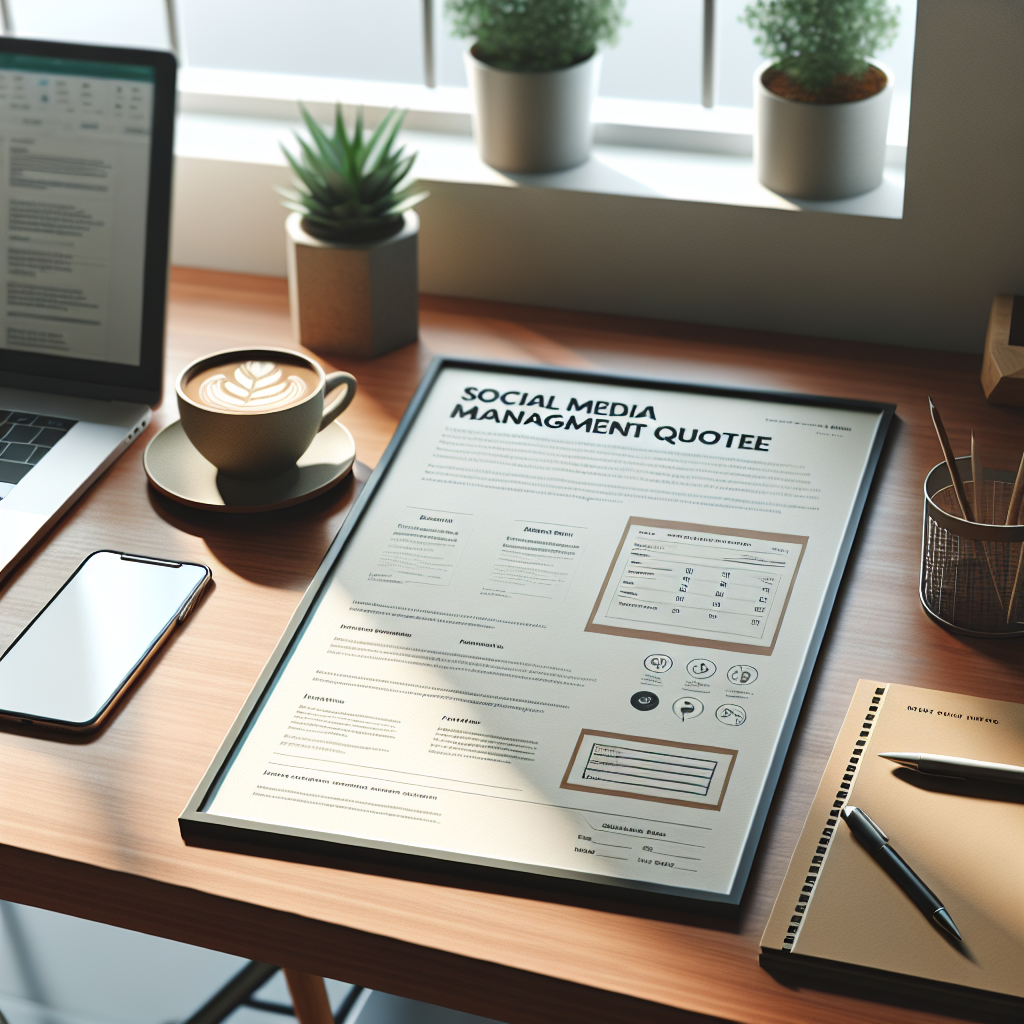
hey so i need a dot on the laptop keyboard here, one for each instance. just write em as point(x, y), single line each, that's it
point(25, 438)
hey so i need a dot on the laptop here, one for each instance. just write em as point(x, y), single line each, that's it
point(86, 144)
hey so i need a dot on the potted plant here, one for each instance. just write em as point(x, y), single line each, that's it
point(533, 73)
point(822, 109)
point(352, 239)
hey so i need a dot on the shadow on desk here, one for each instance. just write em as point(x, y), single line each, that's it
point(236, 540)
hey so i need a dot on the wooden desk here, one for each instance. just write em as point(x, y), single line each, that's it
point(91, 829)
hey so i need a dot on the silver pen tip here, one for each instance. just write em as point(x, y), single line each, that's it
point(945, 922)
point(904, 760)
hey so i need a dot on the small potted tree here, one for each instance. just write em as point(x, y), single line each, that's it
point(352, 239)
point(533, 72)
point(822, 109)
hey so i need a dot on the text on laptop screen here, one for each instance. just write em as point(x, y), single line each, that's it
point(74, 174)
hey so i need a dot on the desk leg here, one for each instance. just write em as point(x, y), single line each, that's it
point(309, 997)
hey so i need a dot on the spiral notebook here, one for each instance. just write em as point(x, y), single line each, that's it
point(840, 921)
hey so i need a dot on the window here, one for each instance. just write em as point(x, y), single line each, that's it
point(658, 59)
point(379, 40)
point(112, 22)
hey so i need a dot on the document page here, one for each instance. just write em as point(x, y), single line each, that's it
point(74, 184)
point(566, 633)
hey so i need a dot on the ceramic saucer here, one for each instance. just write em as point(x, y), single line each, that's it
point(177, 470)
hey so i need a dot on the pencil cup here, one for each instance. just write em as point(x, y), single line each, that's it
point(972, 579)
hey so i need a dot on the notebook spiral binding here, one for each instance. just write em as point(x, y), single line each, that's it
point(825, 839)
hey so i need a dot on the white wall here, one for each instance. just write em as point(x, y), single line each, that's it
point(926, 280)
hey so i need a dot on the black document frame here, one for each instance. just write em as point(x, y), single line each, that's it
point(200, 827)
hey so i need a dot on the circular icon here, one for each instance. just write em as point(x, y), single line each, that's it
point(701, 668)
point(731, 714)
point(687, 707)
point(657, 663)
point(742, 675)
point(644, 700)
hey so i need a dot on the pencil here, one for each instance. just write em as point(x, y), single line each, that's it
point(978, 494)
point(977, 483)
point(1013, 512)
point(1016, 585)
point(1012, 515)
point(954, 473)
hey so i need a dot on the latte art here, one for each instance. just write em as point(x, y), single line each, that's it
point(252, 412)
point(252, 387)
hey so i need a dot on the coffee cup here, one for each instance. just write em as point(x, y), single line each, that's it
point(252, 412)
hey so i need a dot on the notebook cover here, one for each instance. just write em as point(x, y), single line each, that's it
point(964, 839)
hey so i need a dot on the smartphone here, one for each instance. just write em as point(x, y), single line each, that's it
point(73, 662)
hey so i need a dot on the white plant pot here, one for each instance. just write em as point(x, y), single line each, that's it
point(530, 122)
point(353, 298)
point(820, 150)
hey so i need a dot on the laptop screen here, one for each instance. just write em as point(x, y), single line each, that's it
point(85, 140)
point(74, 183)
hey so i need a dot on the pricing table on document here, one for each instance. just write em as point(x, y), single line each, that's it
point(683, 584)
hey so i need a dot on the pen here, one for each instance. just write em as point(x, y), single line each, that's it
point(959, 767)
point(876, 842)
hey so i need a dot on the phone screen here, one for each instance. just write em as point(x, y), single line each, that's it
point(93, 636)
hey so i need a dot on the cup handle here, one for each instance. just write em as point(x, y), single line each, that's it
point(341, 403)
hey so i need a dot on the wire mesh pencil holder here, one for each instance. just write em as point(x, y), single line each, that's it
point(972, 574)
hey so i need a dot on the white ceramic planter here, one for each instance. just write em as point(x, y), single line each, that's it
point(355, 299)
point(529, 122)
point(820, 150)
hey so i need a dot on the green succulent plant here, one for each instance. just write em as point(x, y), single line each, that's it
point(349, 188)
point(535, 35)
point(816, 41)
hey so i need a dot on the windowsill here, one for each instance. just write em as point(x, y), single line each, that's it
point(643, 172)
point(643, 149)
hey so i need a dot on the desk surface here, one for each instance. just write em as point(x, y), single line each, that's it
point(91, 829)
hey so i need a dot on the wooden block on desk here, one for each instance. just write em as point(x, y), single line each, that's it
point(1002, 370)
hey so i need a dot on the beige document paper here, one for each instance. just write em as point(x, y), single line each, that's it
point(569, 635)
